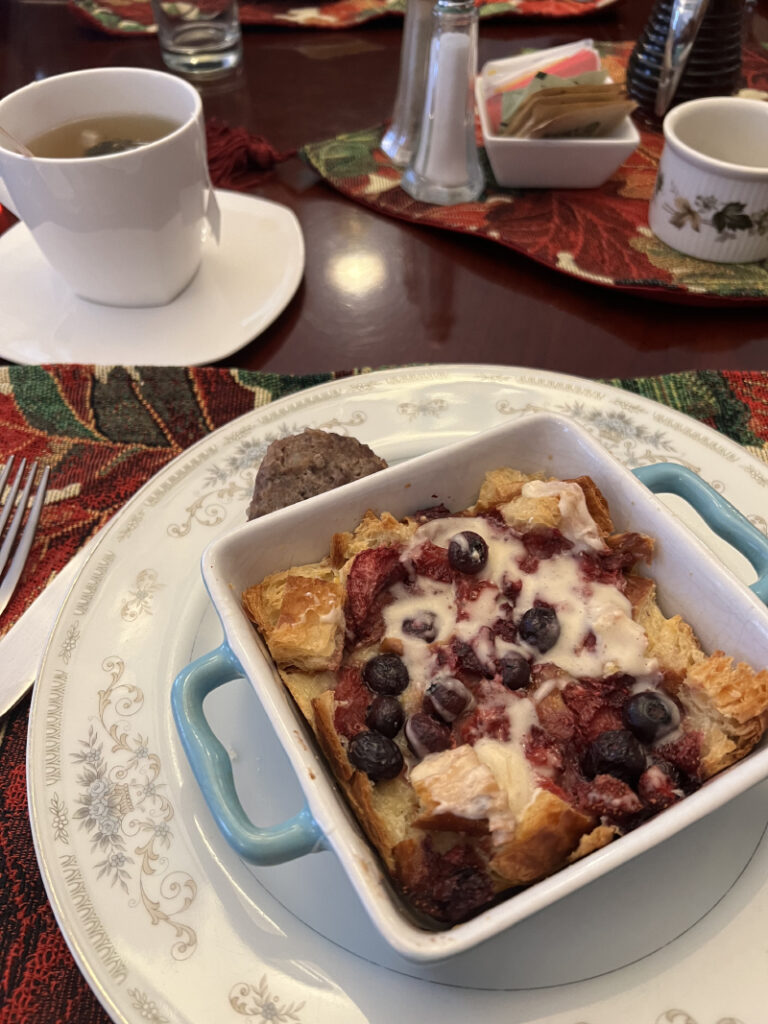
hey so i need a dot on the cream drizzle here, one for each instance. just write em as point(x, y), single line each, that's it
point(582, 606)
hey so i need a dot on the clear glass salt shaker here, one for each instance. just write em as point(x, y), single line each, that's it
point(445, 169)
point(402, 135)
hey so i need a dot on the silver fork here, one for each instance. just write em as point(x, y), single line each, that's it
point(13, 543)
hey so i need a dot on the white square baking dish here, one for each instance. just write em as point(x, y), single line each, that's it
point(724, 613)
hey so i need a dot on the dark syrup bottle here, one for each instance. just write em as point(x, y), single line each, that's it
point(688, 49)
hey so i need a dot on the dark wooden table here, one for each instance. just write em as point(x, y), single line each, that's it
point(470, 300)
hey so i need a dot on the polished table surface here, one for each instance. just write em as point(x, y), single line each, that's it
point(415, 294)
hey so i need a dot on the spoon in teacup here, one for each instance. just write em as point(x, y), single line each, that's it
point(15, 143)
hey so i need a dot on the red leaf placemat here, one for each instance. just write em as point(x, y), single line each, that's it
point(134, 17)
point(600, 235)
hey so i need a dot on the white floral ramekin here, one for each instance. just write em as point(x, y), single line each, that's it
point(711, 194)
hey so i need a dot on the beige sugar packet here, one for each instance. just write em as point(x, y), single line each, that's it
point(514, 100)
point(594, 94)
point(530, 113)
point(583, 111)
point(584, 122)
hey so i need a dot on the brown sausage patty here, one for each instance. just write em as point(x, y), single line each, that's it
point(302, 465)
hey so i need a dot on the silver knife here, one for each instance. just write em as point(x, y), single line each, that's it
point(23, 646)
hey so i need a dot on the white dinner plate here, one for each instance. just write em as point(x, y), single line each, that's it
point(242, 286)
point(165, 921)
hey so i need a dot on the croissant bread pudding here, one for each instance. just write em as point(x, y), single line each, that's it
point(497, 690)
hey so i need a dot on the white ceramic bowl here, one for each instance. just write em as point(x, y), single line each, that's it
point(711, 195)
point(550, 163)
point(723, 611)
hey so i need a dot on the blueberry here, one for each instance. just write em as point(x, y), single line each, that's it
point(515, 671)
point(385, 715)
point(649, 715)
point(376, 755)
point(540, 628)
point(423, 626)
point(425, 735)
point(386, 673)
point(615, 752)
point(448, 697)
point(467, 552)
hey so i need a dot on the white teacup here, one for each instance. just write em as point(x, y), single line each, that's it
point(711, 195)
point(124, 229)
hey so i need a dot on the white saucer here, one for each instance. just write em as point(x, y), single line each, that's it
point(241, 288)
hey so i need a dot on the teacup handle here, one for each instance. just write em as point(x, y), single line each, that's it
point(212, 768)
point(720, 515)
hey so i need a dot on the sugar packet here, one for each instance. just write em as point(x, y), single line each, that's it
point(511, 75)
point(580, 106)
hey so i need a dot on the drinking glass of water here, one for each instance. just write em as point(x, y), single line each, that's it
point(200, 40)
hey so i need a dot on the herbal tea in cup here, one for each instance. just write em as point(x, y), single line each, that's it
point(100, 136)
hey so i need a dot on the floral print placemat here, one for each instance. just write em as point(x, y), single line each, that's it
point(132, 17)
point(600, 235)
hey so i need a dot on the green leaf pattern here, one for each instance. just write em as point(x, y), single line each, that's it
point(725, 217)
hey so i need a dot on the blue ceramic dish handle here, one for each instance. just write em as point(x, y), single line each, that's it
point(213, 770)
point(721, 517)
